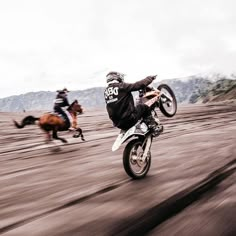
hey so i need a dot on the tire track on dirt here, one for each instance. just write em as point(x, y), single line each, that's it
point(180, 120)
point(110, 187)
point(142, 223)
point(165, 135)
point(73, 202)
point(209, 126)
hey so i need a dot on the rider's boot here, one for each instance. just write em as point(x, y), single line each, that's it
point(154, 124)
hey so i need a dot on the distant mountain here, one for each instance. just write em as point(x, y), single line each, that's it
point(192, 89)
point(44, 100)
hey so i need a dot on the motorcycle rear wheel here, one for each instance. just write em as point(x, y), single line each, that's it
point(132, 162)
point(168, 108)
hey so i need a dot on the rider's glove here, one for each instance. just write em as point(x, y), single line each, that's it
point(152, 77)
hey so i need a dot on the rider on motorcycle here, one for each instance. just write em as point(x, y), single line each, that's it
point(61, 102)
point(120, 104)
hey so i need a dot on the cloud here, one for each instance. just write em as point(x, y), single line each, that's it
point(49, 44)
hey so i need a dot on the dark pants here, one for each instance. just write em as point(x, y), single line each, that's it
point(60, 111)
point(141, 111)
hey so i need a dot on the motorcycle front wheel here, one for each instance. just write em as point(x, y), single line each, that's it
point(167, 107)
point(132, 160)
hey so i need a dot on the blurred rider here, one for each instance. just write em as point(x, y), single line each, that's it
point(61, 102)
point(120, 103)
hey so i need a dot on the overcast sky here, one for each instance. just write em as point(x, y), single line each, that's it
point(51, 44)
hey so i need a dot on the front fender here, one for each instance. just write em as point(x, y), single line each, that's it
point(123, 136)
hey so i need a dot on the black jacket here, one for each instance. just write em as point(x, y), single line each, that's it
point(61, 100)
point(119, 99)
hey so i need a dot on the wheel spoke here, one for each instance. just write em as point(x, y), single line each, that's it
point(132, 159)
point(136, 163)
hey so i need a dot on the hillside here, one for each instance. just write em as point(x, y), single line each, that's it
point(194, 89)
point(221, 90)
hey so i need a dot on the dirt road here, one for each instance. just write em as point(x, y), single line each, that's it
point(80, 188)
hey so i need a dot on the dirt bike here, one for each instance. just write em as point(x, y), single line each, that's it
point(137, 153)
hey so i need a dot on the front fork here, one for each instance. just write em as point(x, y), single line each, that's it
point(147, 146)
point(163, 93)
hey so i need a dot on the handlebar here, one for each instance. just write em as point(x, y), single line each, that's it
point(149, 87)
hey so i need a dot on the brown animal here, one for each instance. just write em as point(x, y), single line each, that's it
point(52, 122)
